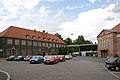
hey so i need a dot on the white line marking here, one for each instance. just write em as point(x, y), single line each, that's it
point(8, 76)
point(113, 74)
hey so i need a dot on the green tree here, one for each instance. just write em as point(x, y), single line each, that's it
point(68, 41)
point(58, 35)
point(81, 40)
point(65, 50)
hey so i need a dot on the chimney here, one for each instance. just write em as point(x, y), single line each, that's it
point(44, 31)
point(34, 30)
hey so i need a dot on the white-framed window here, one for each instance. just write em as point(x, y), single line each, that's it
point(17, 42)
point(53, 44)
point(47, 44)
point(50, 45)
point(23, 42)
point(43, 44)
point(29, 43)
point(57, 45)
point(39, 44)
point(9, 41)
point(33, 37)
point(34, 43)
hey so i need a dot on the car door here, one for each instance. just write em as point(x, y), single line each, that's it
point(118, 62)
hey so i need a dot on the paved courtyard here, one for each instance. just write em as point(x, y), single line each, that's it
point(78, 68)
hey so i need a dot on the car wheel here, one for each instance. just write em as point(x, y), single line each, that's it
point(117, 68)
point(109, 69)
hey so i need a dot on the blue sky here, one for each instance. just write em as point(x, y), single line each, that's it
point(66, 17)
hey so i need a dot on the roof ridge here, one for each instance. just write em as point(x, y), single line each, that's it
point(12, 30)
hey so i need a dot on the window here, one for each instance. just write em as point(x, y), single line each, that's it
point(23, 42)
point(39, 44)
point(23, 51)
point(43, 44)
point(34, 43)
point(56, 45)
point(29, 43)
point(39, 38)
point(27, 36)
point(48, 39)
point(17, 42)
point(44, 38)
point(47, 44)
point(9, 41)
point(33, 37)
point(53, 45)
point(50, 44)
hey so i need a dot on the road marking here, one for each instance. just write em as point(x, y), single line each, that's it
point(113, 74)
point(8, 76)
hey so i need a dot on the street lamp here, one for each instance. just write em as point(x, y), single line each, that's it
point(13, 48)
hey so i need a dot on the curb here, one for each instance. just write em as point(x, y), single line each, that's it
point(8, 76)
point(113, 74)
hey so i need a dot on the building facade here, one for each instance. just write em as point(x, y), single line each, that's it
point(109, 42)
point(20, 41)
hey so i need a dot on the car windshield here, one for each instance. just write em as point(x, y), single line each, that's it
point(19, 56)
point(111, 59)
point(37, 56)
point(49, 56)
point(11, 56)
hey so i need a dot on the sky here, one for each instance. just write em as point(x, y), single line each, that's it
point(69, 18)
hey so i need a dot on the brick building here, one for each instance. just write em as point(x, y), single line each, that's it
point(109, 42)
point(20, 41)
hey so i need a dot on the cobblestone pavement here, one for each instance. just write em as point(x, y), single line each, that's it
point(78, 68)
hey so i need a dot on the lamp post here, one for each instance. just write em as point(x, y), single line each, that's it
point(13, 48)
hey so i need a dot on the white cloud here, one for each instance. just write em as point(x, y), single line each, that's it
point(41, 22)
point(73, 7)
point(89, 23)
point(92, 1)
point(11, 8)
point(117, 7)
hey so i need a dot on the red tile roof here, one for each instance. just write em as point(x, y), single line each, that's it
point(21, 33)
point(117, 28)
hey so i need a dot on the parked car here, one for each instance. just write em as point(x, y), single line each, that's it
point(113, 64)
point(27, 58)
point(67, 57)
point(61, 58)
point(36, 59)
point(10, 58)
point(50, 59)
point(19, 58)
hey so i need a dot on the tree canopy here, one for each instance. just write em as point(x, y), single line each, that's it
point(79, 40)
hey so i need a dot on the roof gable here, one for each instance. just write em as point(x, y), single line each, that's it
point(117, 28)
point(106, 31)
point(16, 32)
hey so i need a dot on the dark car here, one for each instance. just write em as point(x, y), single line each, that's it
point(113, 64)
point(19, 58)
point(36, 59)
point(10, 58)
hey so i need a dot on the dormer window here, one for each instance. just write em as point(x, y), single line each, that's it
point(33, 37)
point(44, 38)
point(53, 39)
point(56, 40)
point(27, 36)
point(39, 38)
point(48, 39)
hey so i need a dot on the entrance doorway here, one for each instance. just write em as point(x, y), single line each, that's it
point(104, 53)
